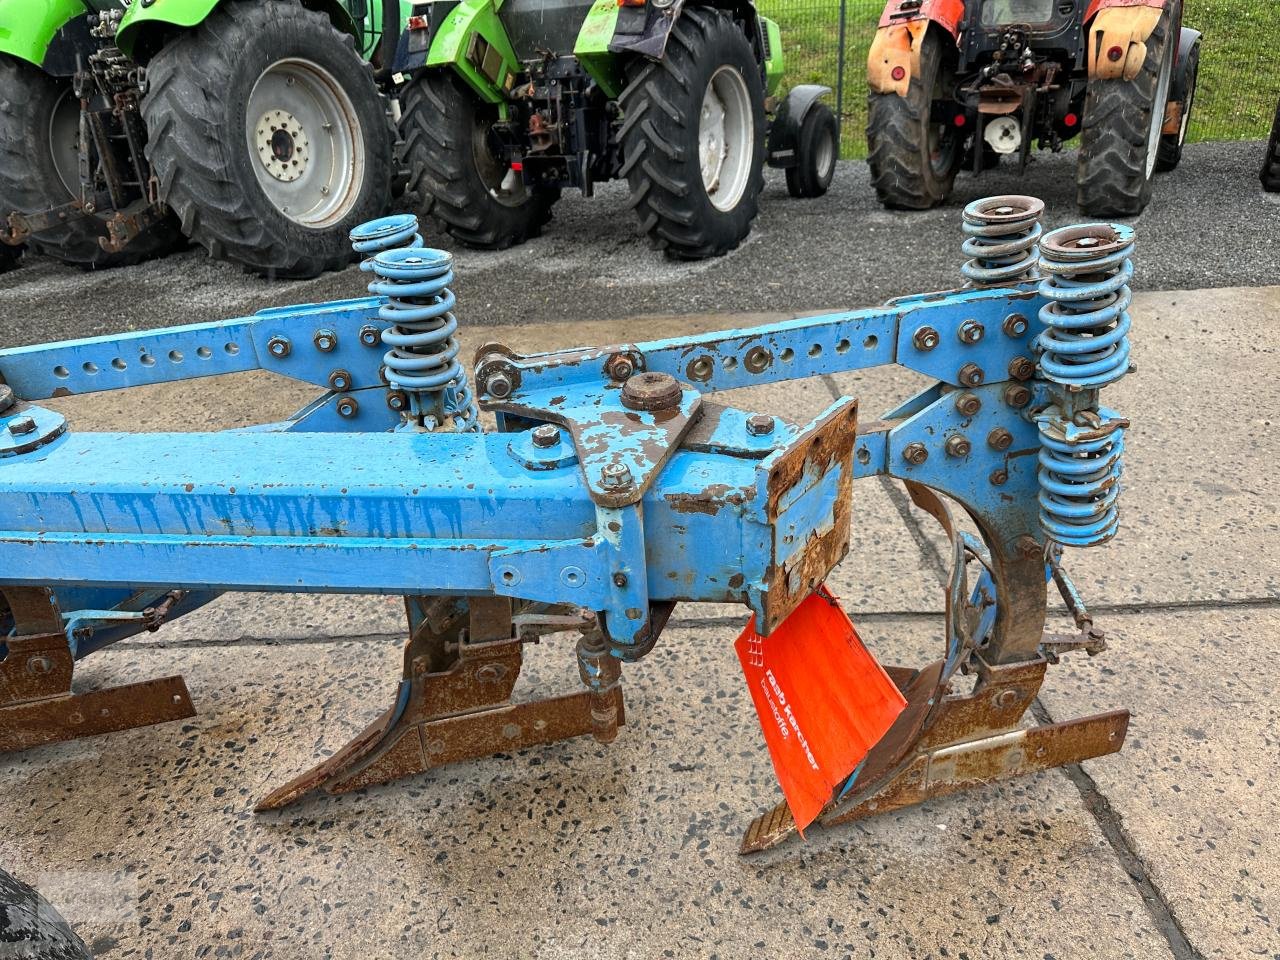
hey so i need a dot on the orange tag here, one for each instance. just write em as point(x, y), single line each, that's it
point(822, 700)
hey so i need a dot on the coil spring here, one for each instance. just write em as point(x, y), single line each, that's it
point(1085, 343)
point(385, 233)
point(1002, 235)
point(1080, 468)
point(423, 359)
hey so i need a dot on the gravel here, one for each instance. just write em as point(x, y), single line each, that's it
point(1209, 225)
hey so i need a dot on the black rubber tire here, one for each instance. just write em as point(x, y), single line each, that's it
point(9, 256)
point(29, 181)
point(661, 105)
point(444, 129)
point(198, 91)
point(1270, 173)
point(1112, 177)
point(900, 149)
point(818, 132)
point(31, 928)
point(1170, 153)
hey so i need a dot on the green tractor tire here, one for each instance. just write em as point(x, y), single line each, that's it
point(693, 137)
point(269, 137)
point(39, 144)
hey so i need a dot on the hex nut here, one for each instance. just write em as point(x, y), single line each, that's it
point(326, 341)
point(546, 435)
point(499, 386)
point(370, 335)
point(1000, 439)
point(971, 375)
point(915, 453)
point(396, 400)
point(340, 380)
point(21, 426)
point(1022, 368)
point(999, 478)
point(760, 424)
point(1017, 396)
point(926, 338)
point(348, 407)
point(615, 476)
point(620, 367)
point(1015, 325)
point(958, 445)
point(279, 347)
point(757, 360)
point(970, 331)
point(967, 404)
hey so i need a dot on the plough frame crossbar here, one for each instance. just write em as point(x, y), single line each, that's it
point(612, 489)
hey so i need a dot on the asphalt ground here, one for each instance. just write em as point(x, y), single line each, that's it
point(1208, 225)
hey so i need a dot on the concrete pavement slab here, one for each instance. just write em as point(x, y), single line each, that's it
point(147, 841)
point(1195, 785)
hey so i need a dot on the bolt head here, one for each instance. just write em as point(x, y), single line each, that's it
point(499, 386)
point(760, 424)
point(39, 666)
point(958, 446)
point(971, 375)
point(915, 453)
point(999, 477)
point(546, 435)
point(615, 476)
point(619, 579)
point(1000, 439)
point(1022, 368)
point(21, 426)
point(1017, 396)
point(970, 331)
point(926, 338)
point(967, 404)
point(279, 346)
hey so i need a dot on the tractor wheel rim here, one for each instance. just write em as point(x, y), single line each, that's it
point(504, 183)
point(726, 129)
point(1158, 108)
point(305, 142)
point(825, 158)
point(1186, 109)
point(64, 141)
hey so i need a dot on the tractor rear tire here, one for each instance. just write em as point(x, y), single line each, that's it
point(278, 192)
point(34, 180)
point(707, 91)
point(1120, 137)
point(31, 928)
point(817, 148)
point(1170, 153)
point(9, 255)
point(1270, 174)
point(455, 170)
point(913, 161)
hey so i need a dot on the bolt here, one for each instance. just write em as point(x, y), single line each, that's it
point(1016, 395)
point(701, 368)
point(279, 347)
point(971, 331)
point(615, 476)
point(1022, 368)
point(340, 380)
point(967, 404)
point(915, 453)
point(1000, 439)
point(38, 666)
point(348, 407)
point(999, 478)
point(21, 426)
point(1030, 547)
point(397, 400)
point(499, 386)
point(325, 340)
point(1015, 325)
point(620, 368)
point(370, 336)
point(760, 425)
point(619, 579)
point(652, 392)
point(958, 445)
point(971, 375)
point(1006, 698)
point(757, 359)
point(546, 435)
point(926, 338)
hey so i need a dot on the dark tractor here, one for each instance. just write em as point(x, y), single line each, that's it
point(968, 83)
point(1270, 173)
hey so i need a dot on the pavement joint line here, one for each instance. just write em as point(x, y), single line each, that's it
point(1122, 845)
point(736, 622)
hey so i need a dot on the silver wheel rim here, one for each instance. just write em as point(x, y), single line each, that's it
point(1158, 111)
point(64, 141)
point(826, 155)
point(726, 129)
point(305, 142)
point(503, 183)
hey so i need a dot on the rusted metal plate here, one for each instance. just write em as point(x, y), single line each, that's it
point(58, 719)
point(35, 668)
point(977, 762)
point(793, 576)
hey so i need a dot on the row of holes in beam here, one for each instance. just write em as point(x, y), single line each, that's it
point(815, 351)
point(147, 360)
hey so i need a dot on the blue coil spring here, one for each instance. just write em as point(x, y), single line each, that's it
point(1002, 233)
point(1085, 343)
point(1080, 469)
point(423, 359)
point(385, 233)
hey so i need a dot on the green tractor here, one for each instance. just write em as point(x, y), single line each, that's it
point(505, 103)
point(257, 128)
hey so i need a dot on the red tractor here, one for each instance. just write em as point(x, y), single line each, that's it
point(966, 83)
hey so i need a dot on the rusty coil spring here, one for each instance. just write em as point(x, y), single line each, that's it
point(1002, 233)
